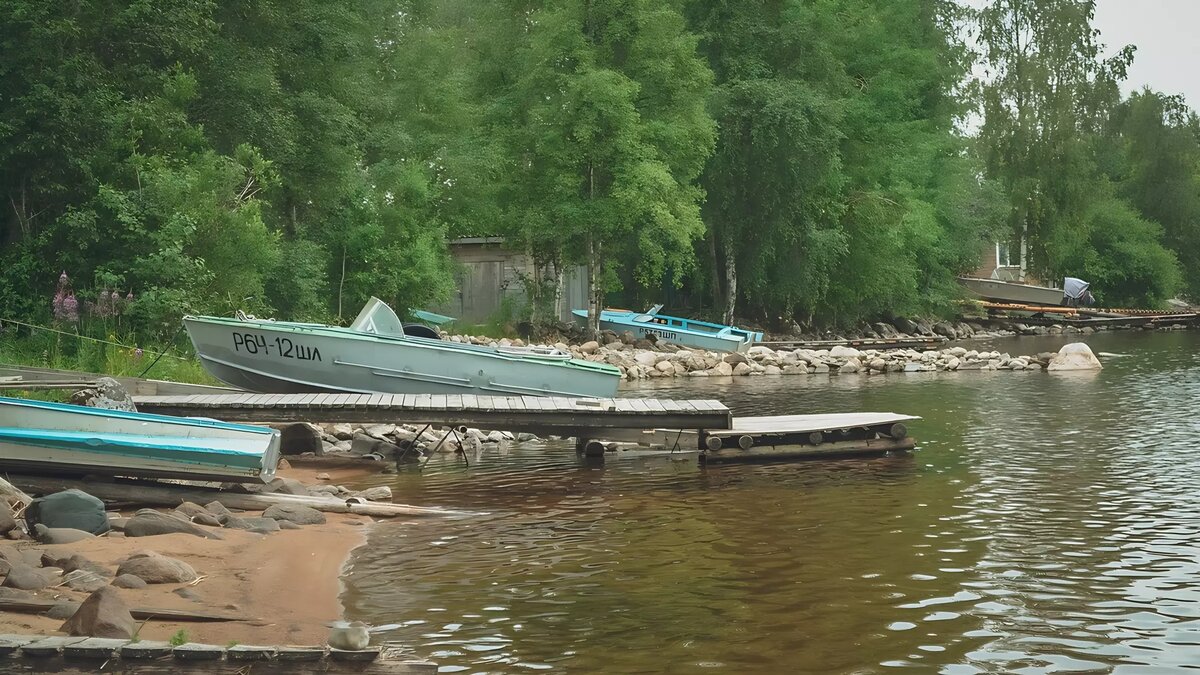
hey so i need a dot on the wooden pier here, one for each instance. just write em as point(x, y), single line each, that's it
point(58, 654)
point(542, 415)
point(913, 342)
point(29, 378)
point(783, 437)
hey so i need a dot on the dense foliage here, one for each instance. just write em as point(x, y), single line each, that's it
point(811, 161)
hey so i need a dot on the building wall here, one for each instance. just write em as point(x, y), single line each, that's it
point(489, 276)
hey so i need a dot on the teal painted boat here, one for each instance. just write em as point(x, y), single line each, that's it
point(378, 354)
point(57, 438)
point(686, 332)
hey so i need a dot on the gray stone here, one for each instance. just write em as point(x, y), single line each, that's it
point(207, 518)
point(149, 523)
point(77, 562)
point(294, 513)
point(129, 581)
point(103, 614)
point(62, 610)
point(8, 521)
point(288, 525)
point(256, 524)
point(15, 594)
point(23, 577)
point(187, 594)
point(380, 493)
point(107, 394)
point(190, 509)
point(289, 486)
point(83, 580)
point(1075, 356)
point(155, 568)
point(219, 510)
point(364, 445)
point(342, 432)
point(73, 509)
point(60, 535)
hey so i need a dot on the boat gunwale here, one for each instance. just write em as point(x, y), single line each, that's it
point(135, 416)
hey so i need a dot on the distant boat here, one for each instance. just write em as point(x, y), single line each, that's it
point(1005, 291)
point(375, 355)
point(686, 332)
point(58, 438)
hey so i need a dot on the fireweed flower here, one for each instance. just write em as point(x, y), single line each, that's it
point(70, 308)
point(137, 353)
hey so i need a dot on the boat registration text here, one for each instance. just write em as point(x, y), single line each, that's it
point(279, 346)
point(664, 334)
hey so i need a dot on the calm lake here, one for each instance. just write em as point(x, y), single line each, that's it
point(1047, 523)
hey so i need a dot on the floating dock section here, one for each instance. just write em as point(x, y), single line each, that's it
point(783, 437)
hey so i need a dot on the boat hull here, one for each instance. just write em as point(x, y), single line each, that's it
point(1009, 292)
point(674, 329)
point(41, 436)
point(283, 358)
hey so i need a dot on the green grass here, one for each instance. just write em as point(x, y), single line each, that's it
point(44, 349)
point(180, 638)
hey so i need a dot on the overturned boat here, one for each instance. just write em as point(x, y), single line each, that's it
point(1011, 292)
point(43, 437)
point(376, 354)
point(686, 332)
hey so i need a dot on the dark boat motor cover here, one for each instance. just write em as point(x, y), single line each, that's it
point(75, 509)
point(1076, 292)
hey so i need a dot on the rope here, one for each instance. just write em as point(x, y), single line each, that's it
point(84, 337)
point(160, 354)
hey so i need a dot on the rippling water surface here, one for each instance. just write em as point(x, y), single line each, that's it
point(1047, 523)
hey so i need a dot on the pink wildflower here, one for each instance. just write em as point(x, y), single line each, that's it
point(70, 308)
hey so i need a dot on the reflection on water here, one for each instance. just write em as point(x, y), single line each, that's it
point(1048, 524)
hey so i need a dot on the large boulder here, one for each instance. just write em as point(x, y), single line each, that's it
point(8, 521)
point(104, 615)
point(155, 568)
point(107, 394)
point(1075, 356)
point(149, 523)
point(75, 509)
point(23, 577)
point(296, 439)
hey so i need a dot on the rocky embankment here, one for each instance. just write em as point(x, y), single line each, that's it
point(643, 359)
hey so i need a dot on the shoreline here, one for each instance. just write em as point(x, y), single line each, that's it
point(289, 584)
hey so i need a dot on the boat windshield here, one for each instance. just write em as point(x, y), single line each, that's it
point(377, 318)
point(644, 318)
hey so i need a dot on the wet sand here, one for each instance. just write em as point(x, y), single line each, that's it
point(287, 582)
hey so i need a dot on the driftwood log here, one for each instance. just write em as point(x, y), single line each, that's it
point(11, 493)
point(150, 493)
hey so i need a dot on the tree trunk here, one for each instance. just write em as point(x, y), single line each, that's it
point(594, 293)
point(1024, 248)
point(717, 297)
point(560, 282)
point(730, 285)
point(341, 284)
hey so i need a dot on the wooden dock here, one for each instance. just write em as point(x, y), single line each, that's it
point(541, 415)
point(58, 654)
point(783, 437)
point(28, 377)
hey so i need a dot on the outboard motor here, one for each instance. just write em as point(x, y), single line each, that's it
point(1076, 293)
point(421, 330)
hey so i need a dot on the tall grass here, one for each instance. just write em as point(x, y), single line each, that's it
point(46, 349)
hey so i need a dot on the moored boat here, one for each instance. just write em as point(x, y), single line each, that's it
point(1005, 291)
point(686, 332)
point(375, 355)
point(40, 436)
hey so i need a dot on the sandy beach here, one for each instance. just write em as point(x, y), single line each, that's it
point(287, 583)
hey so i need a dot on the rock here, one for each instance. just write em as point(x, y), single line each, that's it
point(647, 359)
point(381, 493)
point(323, 476)
point(107, 394)
point(288, 525)
point(589, 347)
point(83, 580)
point(840, 352)
point(15, 594)
point(128, 581)
point(77, 563)
point(219, 510)
point(74, 509)
point(885, 330)
point(299, 438)
point(878, 365)
point(364, 445)
point(62, 610)
point(380, 431)
point(7, 520)
point(734, 358)
point(342, 432)
point(494, 437)
point(294, 513)
point(956, 351)
point(722, 369)
point(1075, 356)
point(820, 368)
point(526, 437)
point(945, 329)
point(852, 365)
point(771, 369)
point(23, 577)
point(155, 568)
point(190, 509)
point(257, 524)
point(953, 363)
point(905, 326)
point(350, 637)
point(60, 535)
point(289, 486)
point(187, 594)
point(207, 519)
point(149, 523)
point(742, 368)
point(103, 614)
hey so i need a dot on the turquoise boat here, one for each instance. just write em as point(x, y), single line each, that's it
point(685, 332)
point(57, 438)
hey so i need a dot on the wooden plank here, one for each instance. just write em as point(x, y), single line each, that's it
point(639, 405)
point(423, 401)
point(470, 402)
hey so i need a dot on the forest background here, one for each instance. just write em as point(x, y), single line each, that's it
point(810, 162)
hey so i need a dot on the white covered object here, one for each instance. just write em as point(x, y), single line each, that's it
point(1075, 356)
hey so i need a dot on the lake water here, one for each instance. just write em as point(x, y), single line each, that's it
point(1047, 523)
